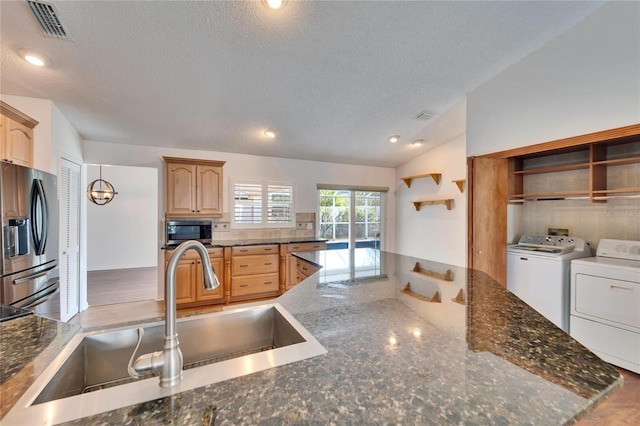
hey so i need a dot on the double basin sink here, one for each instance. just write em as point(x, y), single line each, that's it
point(90, 375)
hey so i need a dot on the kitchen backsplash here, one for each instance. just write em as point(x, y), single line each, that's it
point(305, 227)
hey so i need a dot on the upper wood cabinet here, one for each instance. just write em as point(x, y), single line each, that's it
point(593, 172)
point(194, 187)
point(16, 136)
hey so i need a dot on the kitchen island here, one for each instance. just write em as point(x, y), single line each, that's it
point(398, 353)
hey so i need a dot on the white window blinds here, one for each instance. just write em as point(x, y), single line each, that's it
point(247, 203)
point(263, 203)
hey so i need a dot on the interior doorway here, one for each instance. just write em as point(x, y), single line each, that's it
point(122, 237)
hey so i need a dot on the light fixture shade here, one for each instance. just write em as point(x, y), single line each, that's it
point(100, 191)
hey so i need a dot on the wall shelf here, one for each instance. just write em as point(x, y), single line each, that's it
point(447, 202)
point(435, 176)
point(446, 276)
point(592, 184)
point(407, 290)
point(460, 184)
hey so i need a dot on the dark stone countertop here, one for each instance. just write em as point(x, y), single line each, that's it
point(480, 356)
point(256, 242)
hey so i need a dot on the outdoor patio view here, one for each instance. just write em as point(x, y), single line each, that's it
point(340, 225)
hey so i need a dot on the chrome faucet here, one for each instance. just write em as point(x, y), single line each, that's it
point(169, 360)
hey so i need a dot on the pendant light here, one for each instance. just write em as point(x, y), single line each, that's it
point(100, 191)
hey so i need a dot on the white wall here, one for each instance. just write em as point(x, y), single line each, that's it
point(123, 233)
point(585, 80)
point(305, 174)
point(434, 232)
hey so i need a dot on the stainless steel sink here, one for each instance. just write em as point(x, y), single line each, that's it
point(90, 375)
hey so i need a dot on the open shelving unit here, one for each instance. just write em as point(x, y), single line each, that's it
point(590, 165)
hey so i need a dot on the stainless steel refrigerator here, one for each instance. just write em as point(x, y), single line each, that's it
point(30, 276)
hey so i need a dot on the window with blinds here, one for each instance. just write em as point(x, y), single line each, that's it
point(263, 203)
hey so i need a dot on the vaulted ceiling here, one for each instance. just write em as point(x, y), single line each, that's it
point(334, 79)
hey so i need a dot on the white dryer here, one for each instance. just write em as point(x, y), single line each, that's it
point(538, 272)
point(605, 302)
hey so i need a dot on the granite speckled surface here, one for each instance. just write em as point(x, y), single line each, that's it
point(397, 359)
point(257, 242)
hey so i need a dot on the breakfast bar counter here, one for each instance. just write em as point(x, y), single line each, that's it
point(408, 341)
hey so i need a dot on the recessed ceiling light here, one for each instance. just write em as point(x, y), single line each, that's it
point(33, 57)
point(270, 133)
point(417, 142)
point(394, 138)
point(274, 4)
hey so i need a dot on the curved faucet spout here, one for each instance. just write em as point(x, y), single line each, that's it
point(169, 361)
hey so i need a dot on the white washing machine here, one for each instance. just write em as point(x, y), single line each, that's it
point(538, 272)
point(605, 302)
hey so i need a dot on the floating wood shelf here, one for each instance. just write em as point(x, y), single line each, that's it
point(447, 202)
point(459, 297)
point(460, 184)
point(447, 276)
point(435, 176)
point(407, 290)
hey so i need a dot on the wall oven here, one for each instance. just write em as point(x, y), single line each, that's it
point(179, 231)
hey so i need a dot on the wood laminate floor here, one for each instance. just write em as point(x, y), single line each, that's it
point(122, 285)
point(620, 409)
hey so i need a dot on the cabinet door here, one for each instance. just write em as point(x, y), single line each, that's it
point(185, 281)
point(487, 217)
point(17, 143)
point(209, 190)
point(181, 189)
point(216, 293)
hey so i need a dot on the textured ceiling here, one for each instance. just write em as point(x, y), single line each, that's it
point(334, 79)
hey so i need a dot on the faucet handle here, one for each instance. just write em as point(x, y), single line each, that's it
point(132, 371)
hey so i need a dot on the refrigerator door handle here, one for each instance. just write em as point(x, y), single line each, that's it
point(36, 299)
point(39, 225)
point(34, 275)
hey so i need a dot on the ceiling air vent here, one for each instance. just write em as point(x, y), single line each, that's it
point(425, 115)
point(49, 20)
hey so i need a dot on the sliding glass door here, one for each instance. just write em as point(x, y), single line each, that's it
point(350, 218)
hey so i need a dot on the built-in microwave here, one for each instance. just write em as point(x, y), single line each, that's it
point(179, 231)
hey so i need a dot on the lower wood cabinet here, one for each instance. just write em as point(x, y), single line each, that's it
point(255, 272)
point(304, 270)
point(291, 278)
point(190, 289)
point(245, 273)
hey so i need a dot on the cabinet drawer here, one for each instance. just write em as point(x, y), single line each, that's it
point(216, 251)
point(193, 254)
point(257, 264)
point(252, 250)
point(255, 284)
point(305, 268)
point(306, 246)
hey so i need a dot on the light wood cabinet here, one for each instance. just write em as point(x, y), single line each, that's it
point(16, 136)
point(304, 270)
point(581, 172)
point(255, 272)
point(289, 262)
point(194, 187)
point(190, 289)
